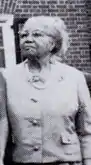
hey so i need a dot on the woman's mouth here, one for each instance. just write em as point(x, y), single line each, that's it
point(29, 47)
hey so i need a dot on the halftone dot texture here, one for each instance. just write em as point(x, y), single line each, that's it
point(76, 15)
point(3, 112)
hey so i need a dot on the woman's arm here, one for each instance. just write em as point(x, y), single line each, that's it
point(83, 122)
point(3, 119)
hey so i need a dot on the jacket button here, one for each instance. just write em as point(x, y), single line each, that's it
point(34, 100)
point(34, 122)
point(36, 148)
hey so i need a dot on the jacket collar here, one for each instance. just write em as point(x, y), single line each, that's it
point(58, 70)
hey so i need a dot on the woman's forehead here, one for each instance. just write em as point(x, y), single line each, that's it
point(38, 24)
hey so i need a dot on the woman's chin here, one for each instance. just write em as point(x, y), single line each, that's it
point(31, 56)
point(29, 53)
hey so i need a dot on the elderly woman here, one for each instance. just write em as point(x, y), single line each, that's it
point(48, 104)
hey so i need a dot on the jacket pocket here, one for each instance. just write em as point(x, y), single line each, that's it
point(69, 138)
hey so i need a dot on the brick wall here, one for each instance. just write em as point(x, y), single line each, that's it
point(77, 17)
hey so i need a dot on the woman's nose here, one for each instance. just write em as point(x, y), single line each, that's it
point(29, 39)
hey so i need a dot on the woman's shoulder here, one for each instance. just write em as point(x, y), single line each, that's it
point(68, 71)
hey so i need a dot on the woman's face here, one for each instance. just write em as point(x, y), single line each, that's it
point(35, 42)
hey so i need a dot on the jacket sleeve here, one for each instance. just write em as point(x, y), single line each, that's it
point(3, 118)
point(83, 121)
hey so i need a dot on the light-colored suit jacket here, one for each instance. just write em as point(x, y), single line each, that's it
point(49, 124)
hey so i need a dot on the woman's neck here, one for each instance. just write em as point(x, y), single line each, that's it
point(39, 63)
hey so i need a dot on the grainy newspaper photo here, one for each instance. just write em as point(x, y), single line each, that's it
point(45, 82)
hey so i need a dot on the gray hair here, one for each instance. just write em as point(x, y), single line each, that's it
point(54, 27)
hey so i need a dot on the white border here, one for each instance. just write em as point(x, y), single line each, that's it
point(6, 21)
